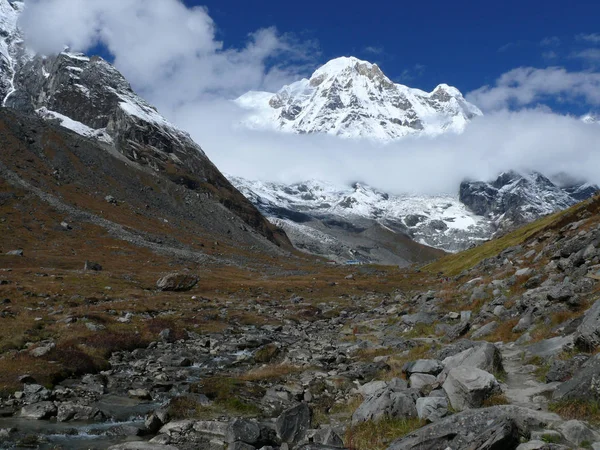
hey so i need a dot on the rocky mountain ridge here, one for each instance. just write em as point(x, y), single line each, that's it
point(91, 98)
point(351, 98)
point(326, 219)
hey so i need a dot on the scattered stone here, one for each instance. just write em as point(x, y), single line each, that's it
point(242, 430)
point(432, 408)
point(39, 411)
point(142, 394)
point(92, 266)
point(291, 426)
point(15, 253)
point(177, 282)
point(386, 403)
point(468, 387)
point(587, 336)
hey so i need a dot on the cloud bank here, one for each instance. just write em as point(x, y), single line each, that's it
point(172, 56)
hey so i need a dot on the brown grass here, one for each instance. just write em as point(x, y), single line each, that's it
point(379, 435)
point(577, 409)
point(504, 332)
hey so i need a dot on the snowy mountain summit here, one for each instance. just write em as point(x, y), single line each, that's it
point(351, 98)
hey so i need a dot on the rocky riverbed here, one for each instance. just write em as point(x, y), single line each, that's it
point(501, 356)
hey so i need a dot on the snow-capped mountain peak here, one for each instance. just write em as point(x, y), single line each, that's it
point(352, 98)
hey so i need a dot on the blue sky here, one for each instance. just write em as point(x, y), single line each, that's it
point(531, 66)
point(464, 43)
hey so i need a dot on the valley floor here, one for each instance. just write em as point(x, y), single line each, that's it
point(493, 347)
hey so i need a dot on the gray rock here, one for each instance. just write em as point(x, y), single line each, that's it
point(585, 384)
point(577, 432)
point(524, 322)
point(485, 330)
point(71, 411)
point(242, 430)
point(432, 408)
point(291, 426)
point(93, 266)
point(420, 317)
point(484, 356)
point(587, 336)
point(39, 411)
point(370, 388)
point(177, 282)
point(42, 350)
point(487, 429)
point(428, 366)
point(142, 394)
point(550, 347)
point(35, 393)
point(327, 436)
point(15, 253)
point(422, 380)
point(385, 403)
point(468, 387)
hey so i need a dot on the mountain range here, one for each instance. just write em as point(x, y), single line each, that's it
point(351, 98)
point(346, 97)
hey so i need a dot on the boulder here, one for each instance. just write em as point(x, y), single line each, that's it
point(587, 336)
point(585, 384)
point(422, 380)
point(578, 432)
point(242, 430)
point(485, 330)
point(291, 426)
point(468, 387)
point(327, 436)
point(485, 430)
point(484, 356)
point(494, 428)
point(39, 411)
point(70, 411)
point(428, 366)
point(432, 408)
point(385, 403)
point(177, 282)
point(93, 266)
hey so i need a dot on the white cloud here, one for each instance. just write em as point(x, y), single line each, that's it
point(529, 139)
point(551, 41)
point(527, 86)
point(171, 55)
point(168, 51)
point(590, 55)
point(592, 37)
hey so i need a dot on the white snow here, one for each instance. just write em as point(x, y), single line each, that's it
point(75, 126)
point(351, 98)
point(325, 200)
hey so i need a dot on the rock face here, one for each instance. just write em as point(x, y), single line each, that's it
point(330, 220)
point(585, 384)
point(177, 282)
point(513, 198)
point(468, 387)
point(485, 429)
point(587, 336)
point(352, 98)
point(292, 424)
point(385, 403)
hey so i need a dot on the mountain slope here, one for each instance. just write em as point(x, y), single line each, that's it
point(332, 220)
point(91, 98)
point(351, 98)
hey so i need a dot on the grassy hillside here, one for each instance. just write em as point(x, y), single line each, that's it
point(454, 264)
